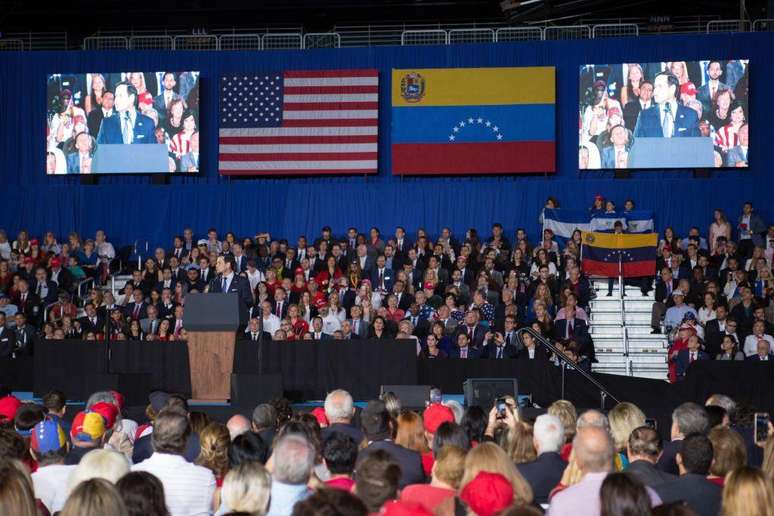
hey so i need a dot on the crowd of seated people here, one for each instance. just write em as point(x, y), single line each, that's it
point(381, 459)
point(457, 298)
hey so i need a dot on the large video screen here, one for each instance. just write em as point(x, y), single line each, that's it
point(122, 123)
point(672, 114)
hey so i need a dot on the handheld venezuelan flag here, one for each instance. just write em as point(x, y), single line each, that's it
point(473, 121)
point(601, 254)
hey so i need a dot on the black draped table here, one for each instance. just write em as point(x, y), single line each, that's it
point(310, 369)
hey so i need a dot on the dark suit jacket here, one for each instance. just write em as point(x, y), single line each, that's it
point(239, 285)
point(94, 120)
point(700, 494)
point(341, 428)
point(666, 462)
point(683, 360)
point(490, 351)
point(53, 292)
point(64, 278)
point(389, 278)
point(478, 335)
point(661, 293)
point(129, 310)
point(7, 341)
point(472, 353)
point(713, 337)
point(25, 339)
point(686, 123)
point(540, 354)
point(410, 462)
point(543, 474)
point(30, 308)
point(648, 473)
point(405, 301)
point(630, 113)
point(87, 326)
point(757, 358)
point(110, 132)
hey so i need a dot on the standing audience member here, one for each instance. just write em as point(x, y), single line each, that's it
point(643, 451)
point(688, 418)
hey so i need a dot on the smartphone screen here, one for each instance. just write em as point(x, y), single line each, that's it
point(500, 407)
point(761, 426)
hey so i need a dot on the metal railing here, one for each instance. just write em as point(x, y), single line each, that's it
point(322, 40)
point(728, 26)
point(482, 35)
point(424, 37)
point(615, 30)
point(293, 37)
point(603, 392)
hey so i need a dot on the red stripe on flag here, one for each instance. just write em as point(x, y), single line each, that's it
point(268, 140)
point(329, 90)
point(298, 156)
point(610, 270)
point(473, 158)
point(328, 106)
point(309, 74)
point(331, 122)
point(298, 172)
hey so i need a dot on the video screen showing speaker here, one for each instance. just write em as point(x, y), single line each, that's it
point(671, 114)
point(122, 123)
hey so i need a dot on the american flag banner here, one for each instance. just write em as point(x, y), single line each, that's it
point(299, 123)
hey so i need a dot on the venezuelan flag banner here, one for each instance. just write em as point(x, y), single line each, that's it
point(602, 252)
point(473, 121)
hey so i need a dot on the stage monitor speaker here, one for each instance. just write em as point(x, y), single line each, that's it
point(248, 390)
point(410, 396)
point(484, 391)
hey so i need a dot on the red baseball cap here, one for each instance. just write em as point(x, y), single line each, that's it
point(8, 407)
point(488, 494)
point(108, 411)
point(435, 415)
point(119, 400)
point(319, 414)
point(404, 508)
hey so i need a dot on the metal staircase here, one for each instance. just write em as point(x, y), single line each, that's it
point(621, 330)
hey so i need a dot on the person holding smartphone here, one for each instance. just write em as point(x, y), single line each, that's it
point(496, 347)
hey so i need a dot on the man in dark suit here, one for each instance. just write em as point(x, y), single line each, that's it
point(24, 336)
point(633, 108)
point(473, 329)
point(358, 325)
point(340, 409)
point(62, 277)
point(137, 309)
point(463, 349)
point(686, 357)
point(229, 281)
point(7, 338)
point(381, 277)
point(544, 473)
point(168, 95)
point(92, 321)
point(27, 302)
point(317, 329)
point(44, 288)
point(692, 487)
point(642, 450)
point(668, 118)
point(688, 418)
point(280, 305)
point(404, 298)
point(375, 421)
point(96, 115)
point(365, 261)
point(714, 331)
point(127, 125)
point(664, 289)
point(495, 347)
point(254, 333)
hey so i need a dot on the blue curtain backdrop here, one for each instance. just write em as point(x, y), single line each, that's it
point(131, 208)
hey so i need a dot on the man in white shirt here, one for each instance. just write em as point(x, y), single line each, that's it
point(270, 322)
point(104, 248)
point(750, 347)
point(188, 489)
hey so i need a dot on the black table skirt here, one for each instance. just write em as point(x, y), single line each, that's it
point(165, 362)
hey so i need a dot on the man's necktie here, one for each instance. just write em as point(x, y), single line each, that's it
point(40, 290)
point(667, 125)
point(693, 357)
point(279, 310)
point(499, 352)
point(136, 313)
point(381, 278)
point(223, 284)
point(255, 336)
point(508, 339)
point(126, 128)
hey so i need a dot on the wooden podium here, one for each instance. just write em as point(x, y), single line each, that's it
point(211, 321)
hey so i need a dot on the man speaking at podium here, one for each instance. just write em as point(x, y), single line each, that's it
point(226, 280)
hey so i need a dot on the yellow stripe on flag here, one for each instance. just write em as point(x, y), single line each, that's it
point(619, 241)
point(473, 86)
